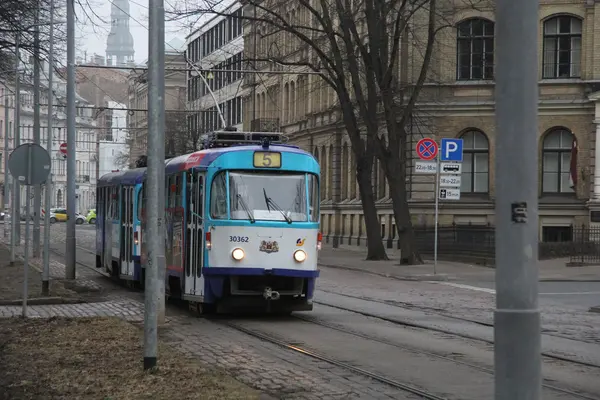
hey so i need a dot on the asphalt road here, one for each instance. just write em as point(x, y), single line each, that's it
point(577, 295)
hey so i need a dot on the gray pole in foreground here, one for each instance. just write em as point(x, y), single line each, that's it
point(16, 215)
point(27, 222)
point(155, 270)
point(36, 133)
point(48, 191)
point(70, 254)
point(517, 349)
point(5, 152)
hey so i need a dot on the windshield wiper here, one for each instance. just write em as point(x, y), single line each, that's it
point(245, 207)
point(270, 201)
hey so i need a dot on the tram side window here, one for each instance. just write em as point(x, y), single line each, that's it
point(115, 203)
point(140, 196)
point(218, 197)
point(141, 208)
point(178, 190)
point(314, 201)
point(109, 203)
point(188, 196)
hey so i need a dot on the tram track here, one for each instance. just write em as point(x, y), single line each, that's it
point(411, 324)
point(372, 375)
point(489, 371)
point(442, 313)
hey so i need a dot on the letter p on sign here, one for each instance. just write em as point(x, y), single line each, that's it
point(452, 150)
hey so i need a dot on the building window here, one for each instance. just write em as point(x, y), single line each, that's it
point(562, 47)
point(475, 50)
point(476, 159)
point(556, 161)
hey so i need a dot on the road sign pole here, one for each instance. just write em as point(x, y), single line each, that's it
point(23, 169)
point(27, 213)
point(517, 346)
point(436, 218)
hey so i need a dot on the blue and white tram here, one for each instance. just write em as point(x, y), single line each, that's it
point(118, 224)
point(242, 220)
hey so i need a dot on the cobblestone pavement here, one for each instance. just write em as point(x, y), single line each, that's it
point(265, 366)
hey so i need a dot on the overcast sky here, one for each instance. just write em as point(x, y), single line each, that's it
point(93, 29)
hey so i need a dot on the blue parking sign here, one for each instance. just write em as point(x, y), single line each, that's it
point(451, 150)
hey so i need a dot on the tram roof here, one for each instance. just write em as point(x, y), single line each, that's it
point(127, 177)
point(202, 159)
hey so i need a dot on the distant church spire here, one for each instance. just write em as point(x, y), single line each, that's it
point(119, 44)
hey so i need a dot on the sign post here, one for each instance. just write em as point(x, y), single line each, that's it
point(448, 185)
point(446, 159)
point(26, 172)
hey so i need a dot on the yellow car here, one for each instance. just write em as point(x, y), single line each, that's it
point(58, 215)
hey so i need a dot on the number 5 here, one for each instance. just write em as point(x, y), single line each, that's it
point(266, 160)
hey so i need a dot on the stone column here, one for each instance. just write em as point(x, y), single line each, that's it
point(336, 187)
point(596, 188)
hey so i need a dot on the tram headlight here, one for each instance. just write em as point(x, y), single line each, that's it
point(237, 254)
point(300, 255)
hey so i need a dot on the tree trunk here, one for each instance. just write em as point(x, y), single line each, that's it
point(375, 248)
point(396, 176)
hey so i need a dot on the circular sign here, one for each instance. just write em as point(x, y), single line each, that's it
point(427, 149)
point(63, 148)
point(29, 164)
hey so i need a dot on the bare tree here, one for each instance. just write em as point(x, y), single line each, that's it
point(360, 48)
point(179, 139)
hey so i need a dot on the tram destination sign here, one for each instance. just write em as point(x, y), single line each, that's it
point(267, 159)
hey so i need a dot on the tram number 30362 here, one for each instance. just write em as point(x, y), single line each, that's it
point(239, 239)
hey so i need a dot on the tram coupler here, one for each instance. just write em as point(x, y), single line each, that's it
point(270, 294)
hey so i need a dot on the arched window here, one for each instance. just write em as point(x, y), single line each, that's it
point(476, 160)
point(562, 47)
point(556, 161)
point(475, 50)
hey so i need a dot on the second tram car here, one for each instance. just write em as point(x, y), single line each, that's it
point(241, 224)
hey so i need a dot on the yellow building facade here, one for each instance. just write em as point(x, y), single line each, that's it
point(457, 101)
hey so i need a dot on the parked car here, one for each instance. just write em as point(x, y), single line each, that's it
point(60, 215)
point(91, 216)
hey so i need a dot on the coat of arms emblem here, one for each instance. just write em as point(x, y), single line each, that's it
point(268, 246)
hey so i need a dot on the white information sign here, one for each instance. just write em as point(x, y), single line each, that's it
point(449, 194)
point(424, 167)
point(451, 168)
point(452, 181)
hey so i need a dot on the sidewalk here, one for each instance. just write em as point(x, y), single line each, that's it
point(353, 258)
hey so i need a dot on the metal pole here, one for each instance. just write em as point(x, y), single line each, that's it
point(70, 253)
point(6, 149)
point(517, 348)
point(48, 192)
point(437, 208)
point(27, 213)
point(155, 270)
point(16, 216)
point(254, 76)
point(37, 201)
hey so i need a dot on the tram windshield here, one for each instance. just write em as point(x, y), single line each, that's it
point(264, 196)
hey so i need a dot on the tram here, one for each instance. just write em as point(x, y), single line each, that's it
point(241, 224)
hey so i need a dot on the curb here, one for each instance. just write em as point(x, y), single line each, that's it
point(414, 278)
point(42, 301)
point(439, 277)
